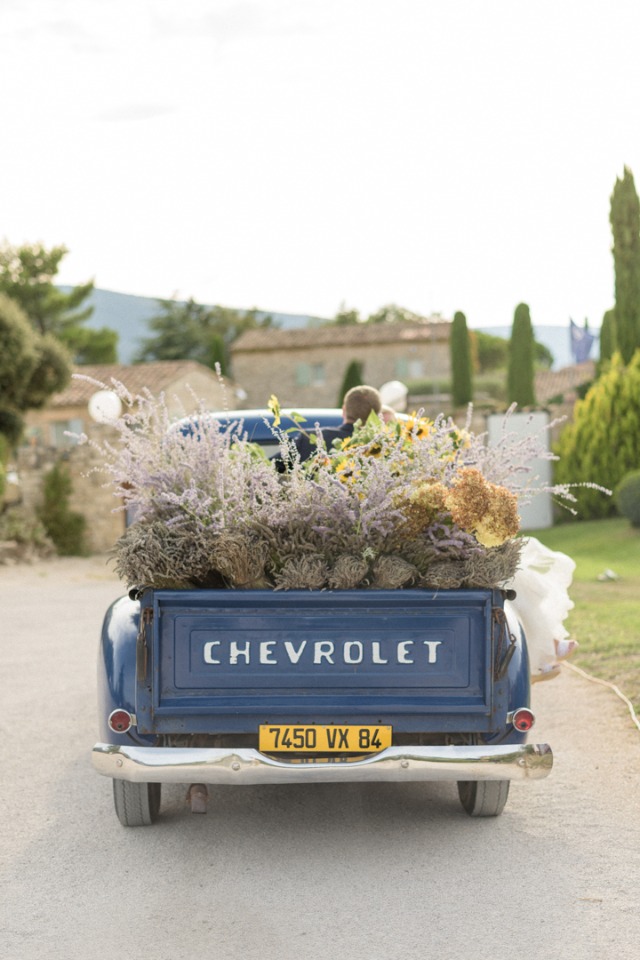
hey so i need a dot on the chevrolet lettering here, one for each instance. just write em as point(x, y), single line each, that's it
point(321, 652)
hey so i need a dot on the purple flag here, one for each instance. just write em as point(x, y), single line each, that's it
point(581, 342)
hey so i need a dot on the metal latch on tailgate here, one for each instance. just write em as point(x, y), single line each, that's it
point(506, 645)
point(142, 649)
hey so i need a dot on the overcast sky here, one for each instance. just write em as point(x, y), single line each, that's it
point(295, 155)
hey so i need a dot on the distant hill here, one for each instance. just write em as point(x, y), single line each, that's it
point(129, 316)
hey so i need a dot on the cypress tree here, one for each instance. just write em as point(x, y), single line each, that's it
point(607, 337)
point(461, 369)
point(217, 353)
point(352, 378)
point(625, 225)
point(520, 370)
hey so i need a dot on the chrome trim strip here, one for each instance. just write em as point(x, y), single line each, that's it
point(246, 766)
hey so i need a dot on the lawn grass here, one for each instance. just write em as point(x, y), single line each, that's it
point(606, 617)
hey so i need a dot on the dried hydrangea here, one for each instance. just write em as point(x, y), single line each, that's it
point(482, 508)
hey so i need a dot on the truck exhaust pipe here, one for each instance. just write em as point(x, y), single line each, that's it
point(198, 797)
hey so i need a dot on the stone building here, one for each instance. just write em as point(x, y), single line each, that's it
point(46, 440)
point(306, 367)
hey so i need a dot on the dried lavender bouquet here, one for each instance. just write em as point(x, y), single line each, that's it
point(418, 503)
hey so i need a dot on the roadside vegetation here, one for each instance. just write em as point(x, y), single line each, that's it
point(606, 617)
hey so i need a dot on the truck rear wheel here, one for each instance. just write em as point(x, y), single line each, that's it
point(483, 798)
point(137, 804)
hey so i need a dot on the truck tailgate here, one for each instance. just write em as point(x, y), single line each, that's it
point(228, 660)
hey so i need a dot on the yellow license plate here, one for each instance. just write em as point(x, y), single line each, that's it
point(278, 738)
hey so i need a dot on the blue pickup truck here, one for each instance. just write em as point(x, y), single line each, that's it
point(214, 687)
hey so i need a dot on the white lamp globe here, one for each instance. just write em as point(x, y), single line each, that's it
point(105, 406)
point(393, 394)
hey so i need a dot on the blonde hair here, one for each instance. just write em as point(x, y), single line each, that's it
point(359, 402)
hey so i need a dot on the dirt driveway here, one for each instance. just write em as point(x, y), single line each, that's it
point(354, 872)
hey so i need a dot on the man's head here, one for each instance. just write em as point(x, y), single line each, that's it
point(359, 402)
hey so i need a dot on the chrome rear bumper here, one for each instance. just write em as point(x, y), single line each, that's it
point(240, 767)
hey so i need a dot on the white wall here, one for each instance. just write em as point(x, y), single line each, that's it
point(539, 513)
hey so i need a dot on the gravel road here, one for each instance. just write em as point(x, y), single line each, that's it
point(375, 871)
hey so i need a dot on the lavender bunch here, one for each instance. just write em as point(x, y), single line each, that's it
point(187, 472)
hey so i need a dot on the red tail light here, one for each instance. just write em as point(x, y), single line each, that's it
point(523, 719)
point(120, 721)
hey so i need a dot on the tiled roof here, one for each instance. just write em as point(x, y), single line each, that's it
point(156, 377)
point(334, 336)
point(554, 383)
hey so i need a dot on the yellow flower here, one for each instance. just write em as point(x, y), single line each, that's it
point(348, 471)
point(274, 406)
point(416, 427)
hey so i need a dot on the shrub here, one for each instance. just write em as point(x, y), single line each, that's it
point(603, 440)
point(492, 351)
point(65, 527)
point(428, 386)
point(16, 524)
point(627, 497)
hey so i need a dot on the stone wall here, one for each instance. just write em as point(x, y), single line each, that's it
point(89, 495)
point(262, 373)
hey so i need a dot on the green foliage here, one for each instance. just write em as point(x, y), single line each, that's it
point(217, 354)
point(627, 497)
point(4, 453)
point(19, 354)
point(32, 367)
point(625, 226)
point(11, 426)
point(19, 525)
point(346, 318)
point(493, 352)
point(192, 331)
point(426, 385)
point(92, 346)
point(542, 355)
point(461, 373)
point(353, 377)
point(602, 443)
point(520, 371)
point(27, 275)
point(51, 373)
point(392, 313)
point(65, 527)
point(608, 644)
point(607, 338)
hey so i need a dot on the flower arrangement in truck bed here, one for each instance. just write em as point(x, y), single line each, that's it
point(412, 503)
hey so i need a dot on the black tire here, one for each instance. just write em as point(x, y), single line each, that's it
point(137, 804)
point(483, 798)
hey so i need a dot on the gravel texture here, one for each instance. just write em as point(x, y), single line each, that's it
point(351, 872)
